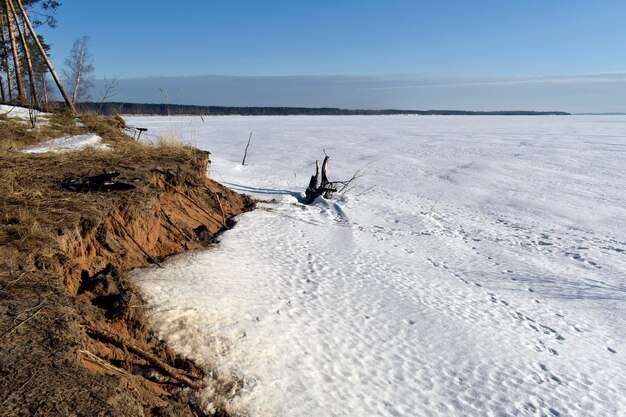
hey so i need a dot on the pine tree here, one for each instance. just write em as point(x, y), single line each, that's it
point(16, 26)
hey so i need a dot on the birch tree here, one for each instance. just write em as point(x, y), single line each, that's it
point(79, 70)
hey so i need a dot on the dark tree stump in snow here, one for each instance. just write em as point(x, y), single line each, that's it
point(317, 188)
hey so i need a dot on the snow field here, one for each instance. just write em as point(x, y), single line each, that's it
point(478, 269)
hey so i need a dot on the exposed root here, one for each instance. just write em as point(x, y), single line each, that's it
point(178, 375)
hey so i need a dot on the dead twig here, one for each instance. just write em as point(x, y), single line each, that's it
point(17, 390)
point(170, 309)
point(8, 284)
point(346, 185)
point(104, 363)
point(12, 329)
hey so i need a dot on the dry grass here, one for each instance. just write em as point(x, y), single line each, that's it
point(172, 141)
point(16, 134)
point(33, 205)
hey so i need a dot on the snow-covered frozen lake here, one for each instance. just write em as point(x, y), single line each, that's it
point(478, 269)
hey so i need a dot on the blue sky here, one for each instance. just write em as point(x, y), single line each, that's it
point(429, 39)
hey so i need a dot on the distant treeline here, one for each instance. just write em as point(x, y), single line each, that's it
point(162, 109)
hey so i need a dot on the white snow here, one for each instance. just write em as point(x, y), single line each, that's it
point(69, 144)
point(17, 112)
point(477, 270)
point(62, 144)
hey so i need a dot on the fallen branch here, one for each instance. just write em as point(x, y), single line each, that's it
point(311, 190)
point(7, 112)
point(177, 374)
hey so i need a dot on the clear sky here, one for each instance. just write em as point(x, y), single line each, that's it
point(449, 39)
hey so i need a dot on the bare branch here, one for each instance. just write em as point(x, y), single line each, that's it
point(110, 89)
point(245, 154)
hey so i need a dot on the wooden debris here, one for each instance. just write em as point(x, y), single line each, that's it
point(316, 188)
point(327, 188)
point(96, 183)
point(177, 374)
point(245, 153)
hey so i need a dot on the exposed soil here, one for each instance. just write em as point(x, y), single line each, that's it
point(74, 337)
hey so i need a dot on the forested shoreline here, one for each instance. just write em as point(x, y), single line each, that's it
point(164, 109)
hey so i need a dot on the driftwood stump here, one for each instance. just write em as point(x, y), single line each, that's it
point(317, 188)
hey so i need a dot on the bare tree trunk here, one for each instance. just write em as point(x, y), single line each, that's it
point(45, 57)
point(76, 87)
point(2, 93)
point(79, 70)
point(5, 64)
point(44, 87)
point(22, 32)
point(21, 97)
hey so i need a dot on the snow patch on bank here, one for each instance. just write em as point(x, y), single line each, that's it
point(18, 112)
point(70, 144)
